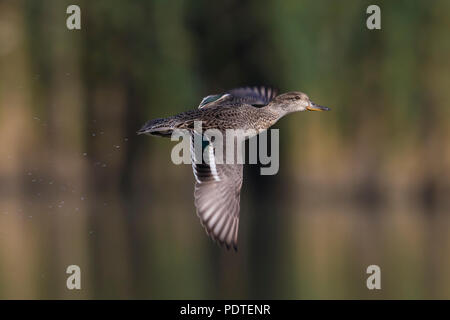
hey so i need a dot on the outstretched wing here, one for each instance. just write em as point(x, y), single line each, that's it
point(217, 195)
point(208, 99)
point(256, 96)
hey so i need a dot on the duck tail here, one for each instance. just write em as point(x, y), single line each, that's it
point(162, 127)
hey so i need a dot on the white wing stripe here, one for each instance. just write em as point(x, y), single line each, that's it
point(212, 163)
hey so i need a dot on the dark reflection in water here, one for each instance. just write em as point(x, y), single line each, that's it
point(152, 246)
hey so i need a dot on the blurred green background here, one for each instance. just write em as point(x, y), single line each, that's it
point(367, 183)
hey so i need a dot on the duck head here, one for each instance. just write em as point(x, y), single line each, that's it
point(292, 102)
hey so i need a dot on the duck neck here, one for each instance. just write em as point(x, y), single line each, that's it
point(276, 111)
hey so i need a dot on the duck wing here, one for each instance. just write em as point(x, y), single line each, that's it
point(255, 96)
point(217, 194)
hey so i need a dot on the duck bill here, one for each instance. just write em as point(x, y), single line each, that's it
point(315, 107)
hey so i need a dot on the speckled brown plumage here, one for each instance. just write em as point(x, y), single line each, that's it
point(218, 186)
point(218, 117)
